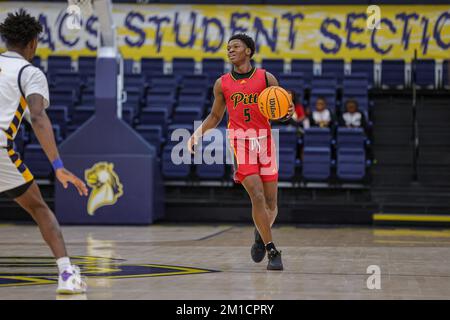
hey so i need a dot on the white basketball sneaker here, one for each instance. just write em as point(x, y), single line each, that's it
point(70, 282)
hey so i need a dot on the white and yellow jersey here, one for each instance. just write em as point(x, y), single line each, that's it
point(18, 80)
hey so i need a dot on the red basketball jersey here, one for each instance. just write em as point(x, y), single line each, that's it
point(241, 97)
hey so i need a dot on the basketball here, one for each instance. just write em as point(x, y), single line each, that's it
point(274, 102)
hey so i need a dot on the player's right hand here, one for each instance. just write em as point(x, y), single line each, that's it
point(65, 177)
point(191, 143)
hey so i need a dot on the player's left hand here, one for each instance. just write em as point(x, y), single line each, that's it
point(65, 177)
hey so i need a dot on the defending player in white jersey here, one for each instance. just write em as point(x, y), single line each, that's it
point(24, 90)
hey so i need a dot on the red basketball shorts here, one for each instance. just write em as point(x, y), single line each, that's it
point(254, 157)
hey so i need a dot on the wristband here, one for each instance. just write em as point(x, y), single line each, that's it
point(57, 164)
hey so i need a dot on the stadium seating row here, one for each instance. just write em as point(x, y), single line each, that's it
point(393, 72)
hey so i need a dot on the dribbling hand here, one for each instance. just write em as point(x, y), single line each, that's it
point(191, 143)
point(65, 177)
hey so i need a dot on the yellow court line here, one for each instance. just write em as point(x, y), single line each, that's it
point(411, 217)
point(31, 281)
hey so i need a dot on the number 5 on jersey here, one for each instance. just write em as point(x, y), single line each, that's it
point(247, 114)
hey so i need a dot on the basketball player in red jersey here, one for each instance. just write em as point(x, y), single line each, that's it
point(250, 137)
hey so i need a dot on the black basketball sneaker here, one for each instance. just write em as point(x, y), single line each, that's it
point(258, 249)
point(275, 262)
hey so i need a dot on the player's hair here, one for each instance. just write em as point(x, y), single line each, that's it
point(322, 98)
point(351, 101)
point(249, 42)
point(19, 28)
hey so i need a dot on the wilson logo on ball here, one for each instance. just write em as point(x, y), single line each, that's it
point(274, 102)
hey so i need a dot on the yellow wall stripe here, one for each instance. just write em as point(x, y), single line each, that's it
point(411, 217)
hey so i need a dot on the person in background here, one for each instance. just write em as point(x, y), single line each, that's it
point(300, 116)
point(321, 116)
point(352, 117)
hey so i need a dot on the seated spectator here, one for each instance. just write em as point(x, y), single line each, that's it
point(352, 117)
point(322, 116)
point(299, 113)
point(299, 116)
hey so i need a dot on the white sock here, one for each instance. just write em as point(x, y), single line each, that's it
point(64, 264)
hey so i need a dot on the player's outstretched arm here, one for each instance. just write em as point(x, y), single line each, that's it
point(43, 130)
point(213, 119)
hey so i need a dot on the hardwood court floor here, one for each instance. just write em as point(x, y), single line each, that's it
point(320, 263)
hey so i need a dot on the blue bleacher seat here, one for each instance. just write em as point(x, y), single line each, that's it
point(183, 66)
point(88, 97)
point(86, 65)
point(82, 114)
point(152, 134)
point(59, 114)
point(64, 77)
point(393, 73)
point(152, 66)
point(351, 164)
point(287, 137)
point(186, 115)
point(195, 83)
point(334, 68)
point(89, 82)
point(134, 80)
point(213, 67)
point(166, 82)
point(329, 82)
point(128, 66)
point(56, 132)
point(59, 63)
point(317, 137)
point(37, 161)
point(66, 81)
point(169, 106)
point(274, 66)
point(356, 80)
point(350, 137)
point(287, 161)
point(316, 163)
point(293, 81)
point(363, 67)
point(192, 98)
point(213, 168)
point(165, 96)
point(154, 116)
point(169, 168)
point(134, 98)
point(425, 73)
point(63, 97)
point(304, 66)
